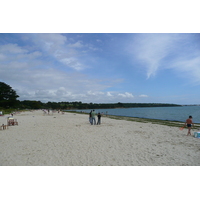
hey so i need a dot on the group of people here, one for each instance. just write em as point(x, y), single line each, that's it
point(50, 112)
point(92, 118)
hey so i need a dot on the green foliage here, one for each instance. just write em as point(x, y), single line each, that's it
point(27, 104)
point(7, 111)
point(8, 96)
point(31, 104)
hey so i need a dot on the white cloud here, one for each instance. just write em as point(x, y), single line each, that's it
point(49, 41)
point(91, 47)
point(56, 46)
point(77, 44)
point(151, 49)
point(12, 49)
point(50, 84)
point(109, 94)
point(179, 52)
point(143, 95)
point(37, 79)
point(95, 93)
point(188, 67)
point(126, 95)
point(73, 63)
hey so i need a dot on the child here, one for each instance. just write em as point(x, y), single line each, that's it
point(189, 124)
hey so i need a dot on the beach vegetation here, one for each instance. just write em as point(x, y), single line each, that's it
point(152, 121)
point(29, 104)
point(8, 96)
point(77, 105)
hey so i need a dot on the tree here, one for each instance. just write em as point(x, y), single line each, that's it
point(120, 104)
point(31, 104)
point(8, 96)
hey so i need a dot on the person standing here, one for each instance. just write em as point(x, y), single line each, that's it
point(93, 117)
point(189, 124)
point(90, 117)
point(99, 119)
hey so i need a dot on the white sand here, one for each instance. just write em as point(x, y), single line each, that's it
point(69, 140)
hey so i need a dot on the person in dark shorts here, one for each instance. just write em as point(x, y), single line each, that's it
point(99, 119)
point(189, 124)
point(90, 117)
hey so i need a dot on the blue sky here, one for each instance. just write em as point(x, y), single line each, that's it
point(102, 68)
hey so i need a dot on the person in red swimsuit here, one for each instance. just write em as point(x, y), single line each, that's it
point(189, 124)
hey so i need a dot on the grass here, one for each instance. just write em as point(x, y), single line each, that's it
point(11, 110)
point(6, 111)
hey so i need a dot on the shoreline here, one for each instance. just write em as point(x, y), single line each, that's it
point(174, 114)
point(143, 120)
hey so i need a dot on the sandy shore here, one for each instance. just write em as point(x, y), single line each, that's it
point(69, 140)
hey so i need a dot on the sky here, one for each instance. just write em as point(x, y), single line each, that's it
point(102, 67)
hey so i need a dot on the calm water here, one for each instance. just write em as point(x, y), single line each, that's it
point(163, 113)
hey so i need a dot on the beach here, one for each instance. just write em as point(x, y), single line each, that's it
point(68, 139)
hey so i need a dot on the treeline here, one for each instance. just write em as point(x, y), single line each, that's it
point(27, 104)
point(8, 100)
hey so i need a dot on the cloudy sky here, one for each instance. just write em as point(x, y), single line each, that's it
point(102, 68)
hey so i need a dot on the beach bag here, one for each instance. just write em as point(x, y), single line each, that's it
point(197, 134)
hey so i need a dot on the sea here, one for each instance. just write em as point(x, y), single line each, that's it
point(180, 113)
